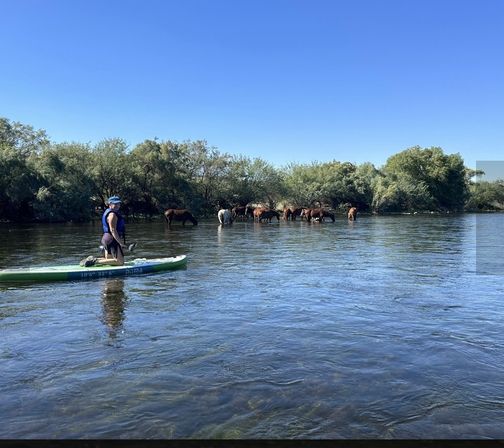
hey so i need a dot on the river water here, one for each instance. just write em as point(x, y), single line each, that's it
point(388, 327)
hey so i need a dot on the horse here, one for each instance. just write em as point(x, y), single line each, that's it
point(352, 213)
point(179, 214)
point(305, 213)
point(317, 214)
point(225, 216)
point(243, 211)
point(265, 213)
point(292, 212)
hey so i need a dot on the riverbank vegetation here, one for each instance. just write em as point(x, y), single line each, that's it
point(41, 180)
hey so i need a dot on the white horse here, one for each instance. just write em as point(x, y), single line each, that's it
point(225, 216)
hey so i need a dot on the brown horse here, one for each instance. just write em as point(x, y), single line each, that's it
point(179, 214)
point(291, 212)
point(304, 213)
point(296, 211)
point(243, 212)
point(352, 213)
point(261, 213)
point(317, 214)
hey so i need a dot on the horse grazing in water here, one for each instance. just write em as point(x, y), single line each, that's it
point(304, 213)
point(317, 214)
point(265, 213)
point(179, 214)
point(292, 212)
point(225, 216)
point(352, 213)
point(243, 211)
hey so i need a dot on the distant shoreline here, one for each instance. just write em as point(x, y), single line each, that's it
point(206, 216)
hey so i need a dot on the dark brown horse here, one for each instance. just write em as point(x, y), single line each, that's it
point(179, 214)
point(243, 212)
point(296, 212)
point(261, 213)
point(291, 213)
point(317, 214)
point(352, 213)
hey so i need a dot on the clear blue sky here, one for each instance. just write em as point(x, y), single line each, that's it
point(284, 80)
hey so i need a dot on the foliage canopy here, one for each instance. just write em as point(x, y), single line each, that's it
point(69, 181)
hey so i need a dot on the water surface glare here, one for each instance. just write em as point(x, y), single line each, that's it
point(380, 328)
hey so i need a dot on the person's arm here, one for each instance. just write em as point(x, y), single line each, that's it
point(112, 221)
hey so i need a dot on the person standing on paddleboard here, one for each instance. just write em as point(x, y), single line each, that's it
point(114, 228)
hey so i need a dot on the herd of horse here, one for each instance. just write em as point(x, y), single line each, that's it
point(258, 214)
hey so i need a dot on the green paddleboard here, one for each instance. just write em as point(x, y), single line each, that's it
point(137, 266)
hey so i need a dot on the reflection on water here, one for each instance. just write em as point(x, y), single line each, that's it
point(382, 327)
point(113, 305)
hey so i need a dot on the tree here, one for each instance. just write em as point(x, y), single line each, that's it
point(303, 184)
point(205, 168)
point(24, 138)
point(19, 145)
point(65, 183)
point(394, 195)
point(433, 179)
point(254, 180)
point(111, 172)
point(158, 181)
point(486, 195)
point(364, 178)
point(333, 183)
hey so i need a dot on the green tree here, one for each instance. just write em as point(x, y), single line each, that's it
point(24, 138)
point(19, 146)
point(158, 182)
point(66, 181)
point(363, 180)
point(345, 183)
point(432, 179)
point(66, 186)
point(204, 168)
point(332, 183)
point(486, 195)
point(395, 195)
point(303, 184)
point(111, 172)
point(254, 181)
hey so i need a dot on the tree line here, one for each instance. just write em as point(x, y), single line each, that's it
point(41, 180)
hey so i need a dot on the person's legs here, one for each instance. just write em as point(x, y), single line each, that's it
point(113, 252)
point(110, 261)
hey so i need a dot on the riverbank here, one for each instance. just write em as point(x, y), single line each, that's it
point(137, 218)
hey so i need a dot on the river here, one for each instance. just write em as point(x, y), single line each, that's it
point(387, 327)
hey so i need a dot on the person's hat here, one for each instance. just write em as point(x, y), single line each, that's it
point(114, 200)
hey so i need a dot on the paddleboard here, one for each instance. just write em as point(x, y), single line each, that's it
point(75, 272)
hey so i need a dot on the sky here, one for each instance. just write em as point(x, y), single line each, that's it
point(490, 170)
point(284, 80)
